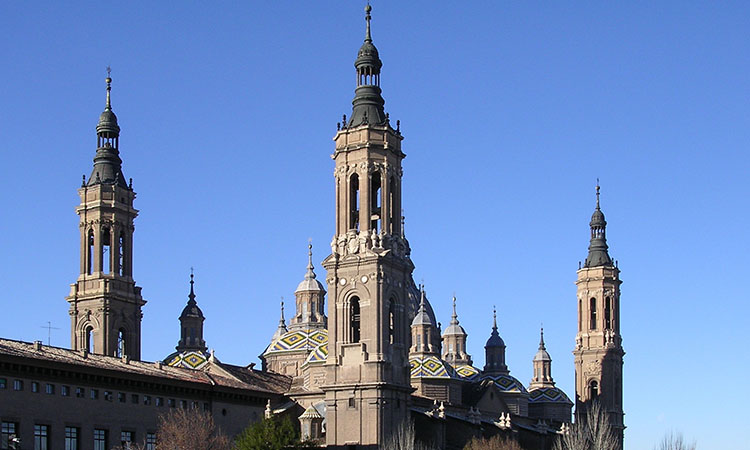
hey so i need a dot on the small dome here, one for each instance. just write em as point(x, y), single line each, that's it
point(597, 219)
point(454, 329)
point(495, 341)
point(310, 285)
point(368, 56)
point(192, 310)
point(548, 395)
point(542, 355)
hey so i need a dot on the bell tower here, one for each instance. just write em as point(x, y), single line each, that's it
point(105, 303)
point(369, 272)
point(598, 352)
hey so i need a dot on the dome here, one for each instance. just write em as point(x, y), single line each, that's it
point(597, 219)
point(187, 360)
point(454, 329)
point(430, 367)
point(542, 355)
point(548, 395)
point(495, 341)
point(368, 56)
point(506, 383)
point(466, 372)
point(192, 310)
point(309, 285)
point(298, 340)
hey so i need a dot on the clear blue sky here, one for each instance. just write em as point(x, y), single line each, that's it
point(510, 110)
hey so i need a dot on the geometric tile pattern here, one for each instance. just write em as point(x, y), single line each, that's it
point(506, 383)
point(466, 372)
point(552, 395)
point(299, 340)
point(318, 355)
point(430, 367)
point(187, 360)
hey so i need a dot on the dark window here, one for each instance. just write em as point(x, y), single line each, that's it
point(134, 398)
point(65, 391)
point(592, 312)
point(120, 352)
point(352, 403)
point(121, 253)
point(354, 314)
point(49, 388)
point(106, 251)
point(41, 437)
point(391, 323)
point(580, 311)
point(3, 383)
point(8, 432)
point(100, 439)
point(354, 202)
point(94, 394)
point(393, 222)
point(171, 402)
point(607, 313)
point(594, 390)
point(108, 396)
point(90, 255)
point(150, 441)
point(183, 404)
point(159, 401)
point(17, 385)
point(90, 339)
point(34, 386)
point(375, 202)
point(71, 438)
point(126, 437)
point(121, 397)
point(146, 400)
point(80, 392)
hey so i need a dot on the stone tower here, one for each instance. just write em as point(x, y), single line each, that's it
point(367, 386)
point(310, 300)
point(494, 351)
point(542, 367)
point(191, 325)
point(454, 341)
point(598, 352)
point(105, 303)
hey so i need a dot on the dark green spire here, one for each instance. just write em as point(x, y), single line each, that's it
point(368, 103)
point(598, 255)
point(107, 162)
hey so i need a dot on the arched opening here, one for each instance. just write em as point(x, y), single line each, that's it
point(354, 202)
point(592, 313)
point(375, 202)
point(121, 254)
point(580, 311)
point(593, 390)
point(354, 319)
point(90, 253)
point(106, 251)
point(89, 339)
point(391, 324)
point(120, 350)
point(607, 313)
point(392, 223)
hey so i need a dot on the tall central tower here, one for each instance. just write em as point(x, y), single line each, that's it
point(369, 272)
point(105, 303)
point(598, 352)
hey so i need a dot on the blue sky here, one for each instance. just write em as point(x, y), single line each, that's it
point(510, 110)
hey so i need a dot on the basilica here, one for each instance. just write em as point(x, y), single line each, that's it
point(359, 355)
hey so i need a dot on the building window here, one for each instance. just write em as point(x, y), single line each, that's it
point(106, 251)
point(375, 202)
point(352, 403)
point(183, 404)
point(94, 394)
point(3, 383)
point(126, 437)
point(134, 398)
point(146, 400)
point(150, 441)
point(171, 402)
point(592, 312)
point(593, 390)
point(354, 318)
point(80, 392)
point(65, 391)
point(49, 388)
point(100, 439)
point(41, 437)
point(607, 313)
point(159, 401)
point(17, 385)
point(120, 343)
point(121, 397)
point(108, 396)
point(34, 386)
point(90, 255)
point(8, 432)
point(90, 339)
point(391, 323)
point(71, 438)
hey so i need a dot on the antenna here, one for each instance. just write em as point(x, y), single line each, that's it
point(49, 328)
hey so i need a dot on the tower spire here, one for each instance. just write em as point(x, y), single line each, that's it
point(368, 104)
point(191, 323)
point(368, 36)
point(598, 250)
point(109, 88)
point(107, 162)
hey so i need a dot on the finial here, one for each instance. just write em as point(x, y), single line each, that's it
point(109, 86)
point(83, 181)
point(192, 281)
point(494, 318)
point(541, 339)
point(597, 193)
point(310, 274)
point(368, 8)
point(454, 305)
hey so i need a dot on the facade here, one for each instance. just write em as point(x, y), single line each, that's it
point(351, 372)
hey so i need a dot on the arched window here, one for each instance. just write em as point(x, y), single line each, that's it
point(106, 251)
point(393, 223)
point(90, 339)
point(120, 351)
point(121, 254)
point(391, 324)
point(90, 253)
point(592, 313)
point(593, 389)
point(375, 202)
point(580, 311)
point(607, 313)
point(354, 202)
point(354, 318)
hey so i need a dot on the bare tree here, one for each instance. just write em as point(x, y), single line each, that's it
point(674, 441)
point(493, 443)
point(190, 429)
point(404, 438)
point(594, 432)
